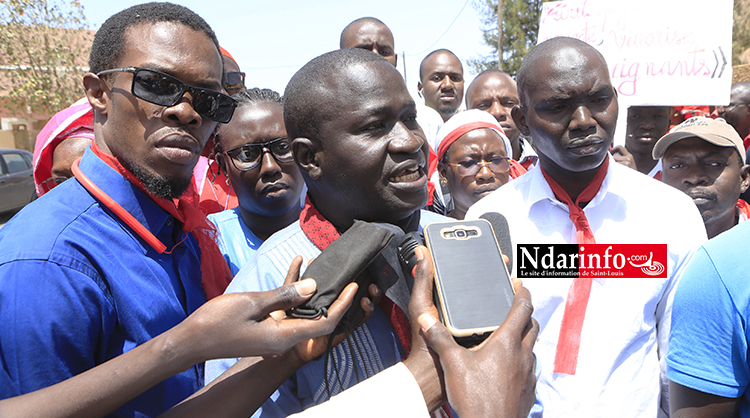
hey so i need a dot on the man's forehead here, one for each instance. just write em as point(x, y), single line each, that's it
point(364, 85)
point(159, 46)
point(362, 76)
point(368, 30)
point(491, 81)
point(441, 62)
point(567, 73)
point(741, 93)
point(442, 59)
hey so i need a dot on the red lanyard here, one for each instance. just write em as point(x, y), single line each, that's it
point(119, 211)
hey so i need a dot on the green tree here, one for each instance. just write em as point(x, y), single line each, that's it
point(44, 47)
point(520, 29)
point(741, 32)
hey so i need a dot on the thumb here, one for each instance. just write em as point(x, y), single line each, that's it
point(436, 335)
point(287, 296)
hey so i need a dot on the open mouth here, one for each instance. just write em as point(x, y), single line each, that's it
point(647, 136)
point(408, 175)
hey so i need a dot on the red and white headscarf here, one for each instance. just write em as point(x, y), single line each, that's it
point(464, 122)
point(467, 121)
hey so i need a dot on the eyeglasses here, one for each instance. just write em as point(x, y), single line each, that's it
point(497, 165)
point(234, 81)
point(247, 157)
point(51, 182)
point(164, 90)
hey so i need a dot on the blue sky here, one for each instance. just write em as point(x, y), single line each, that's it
point(271, 40)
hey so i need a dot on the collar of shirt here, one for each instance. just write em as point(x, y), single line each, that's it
point(540, 192)
point(527, 154)
point(132, 199)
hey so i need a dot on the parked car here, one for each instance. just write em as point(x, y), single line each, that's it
point(16, 179)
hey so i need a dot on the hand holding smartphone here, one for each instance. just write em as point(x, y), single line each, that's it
point(473, 290)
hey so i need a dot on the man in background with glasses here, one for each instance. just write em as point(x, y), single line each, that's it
point(234, 79)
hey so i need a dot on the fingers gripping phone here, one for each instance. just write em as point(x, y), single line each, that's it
point(473, 290)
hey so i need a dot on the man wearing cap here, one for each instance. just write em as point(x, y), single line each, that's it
point(707, 364)
point(705, 158)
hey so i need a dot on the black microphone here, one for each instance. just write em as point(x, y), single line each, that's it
point(502, 234)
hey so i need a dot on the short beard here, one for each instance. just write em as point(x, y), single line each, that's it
point(166, 188)
point(447, 110)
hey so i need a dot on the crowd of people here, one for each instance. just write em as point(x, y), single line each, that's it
point(159, 273)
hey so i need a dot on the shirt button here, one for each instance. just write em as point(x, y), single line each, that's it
point(169, 221)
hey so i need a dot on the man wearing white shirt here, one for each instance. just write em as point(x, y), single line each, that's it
point(609, 359)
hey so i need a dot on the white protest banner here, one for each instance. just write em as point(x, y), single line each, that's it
point(659, 52)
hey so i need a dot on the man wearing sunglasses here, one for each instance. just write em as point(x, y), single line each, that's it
point(234, 79)
point(101, 277)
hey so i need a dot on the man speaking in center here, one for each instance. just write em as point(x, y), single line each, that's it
point(363, 157)
point(602, 342)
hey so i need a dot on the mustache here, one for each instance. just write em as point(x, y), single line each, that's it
point(701, 193)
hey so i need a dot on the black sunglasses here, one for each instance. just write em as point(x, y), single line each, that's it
point(164, 90)
point(234, 81)
point(247, 157)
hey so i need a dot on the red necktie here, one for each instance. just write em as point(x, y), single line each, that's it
point(569, 340)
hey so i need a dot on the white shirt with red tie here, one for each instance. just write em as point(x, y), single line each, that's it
point(624, 337)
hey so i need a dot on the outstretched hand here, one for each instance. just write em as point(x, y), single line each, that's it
point(241, 324)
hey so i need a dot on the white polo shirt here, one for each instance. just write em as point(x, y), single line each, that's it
point(626, 327)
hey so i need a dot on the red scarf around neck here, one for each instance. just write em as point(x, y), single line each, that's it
point(215, 273)
point(569, 340)
point(322, 233)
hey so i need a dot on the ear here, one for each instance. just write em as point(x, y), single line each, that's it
point(222, 163)
point(419, 88)
point(745, 174)
point(307, 156)
point(442, 170)
point(520, 119)
point(96, 92)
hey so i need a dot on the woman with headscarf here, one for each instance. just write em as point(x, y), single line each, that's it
point(473, 159)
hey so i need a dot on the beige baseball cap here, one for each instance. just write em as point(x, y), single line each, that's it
point(714, 131)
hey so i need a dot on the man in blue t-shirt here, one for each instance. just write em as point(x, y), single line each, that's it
point(707, 363)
